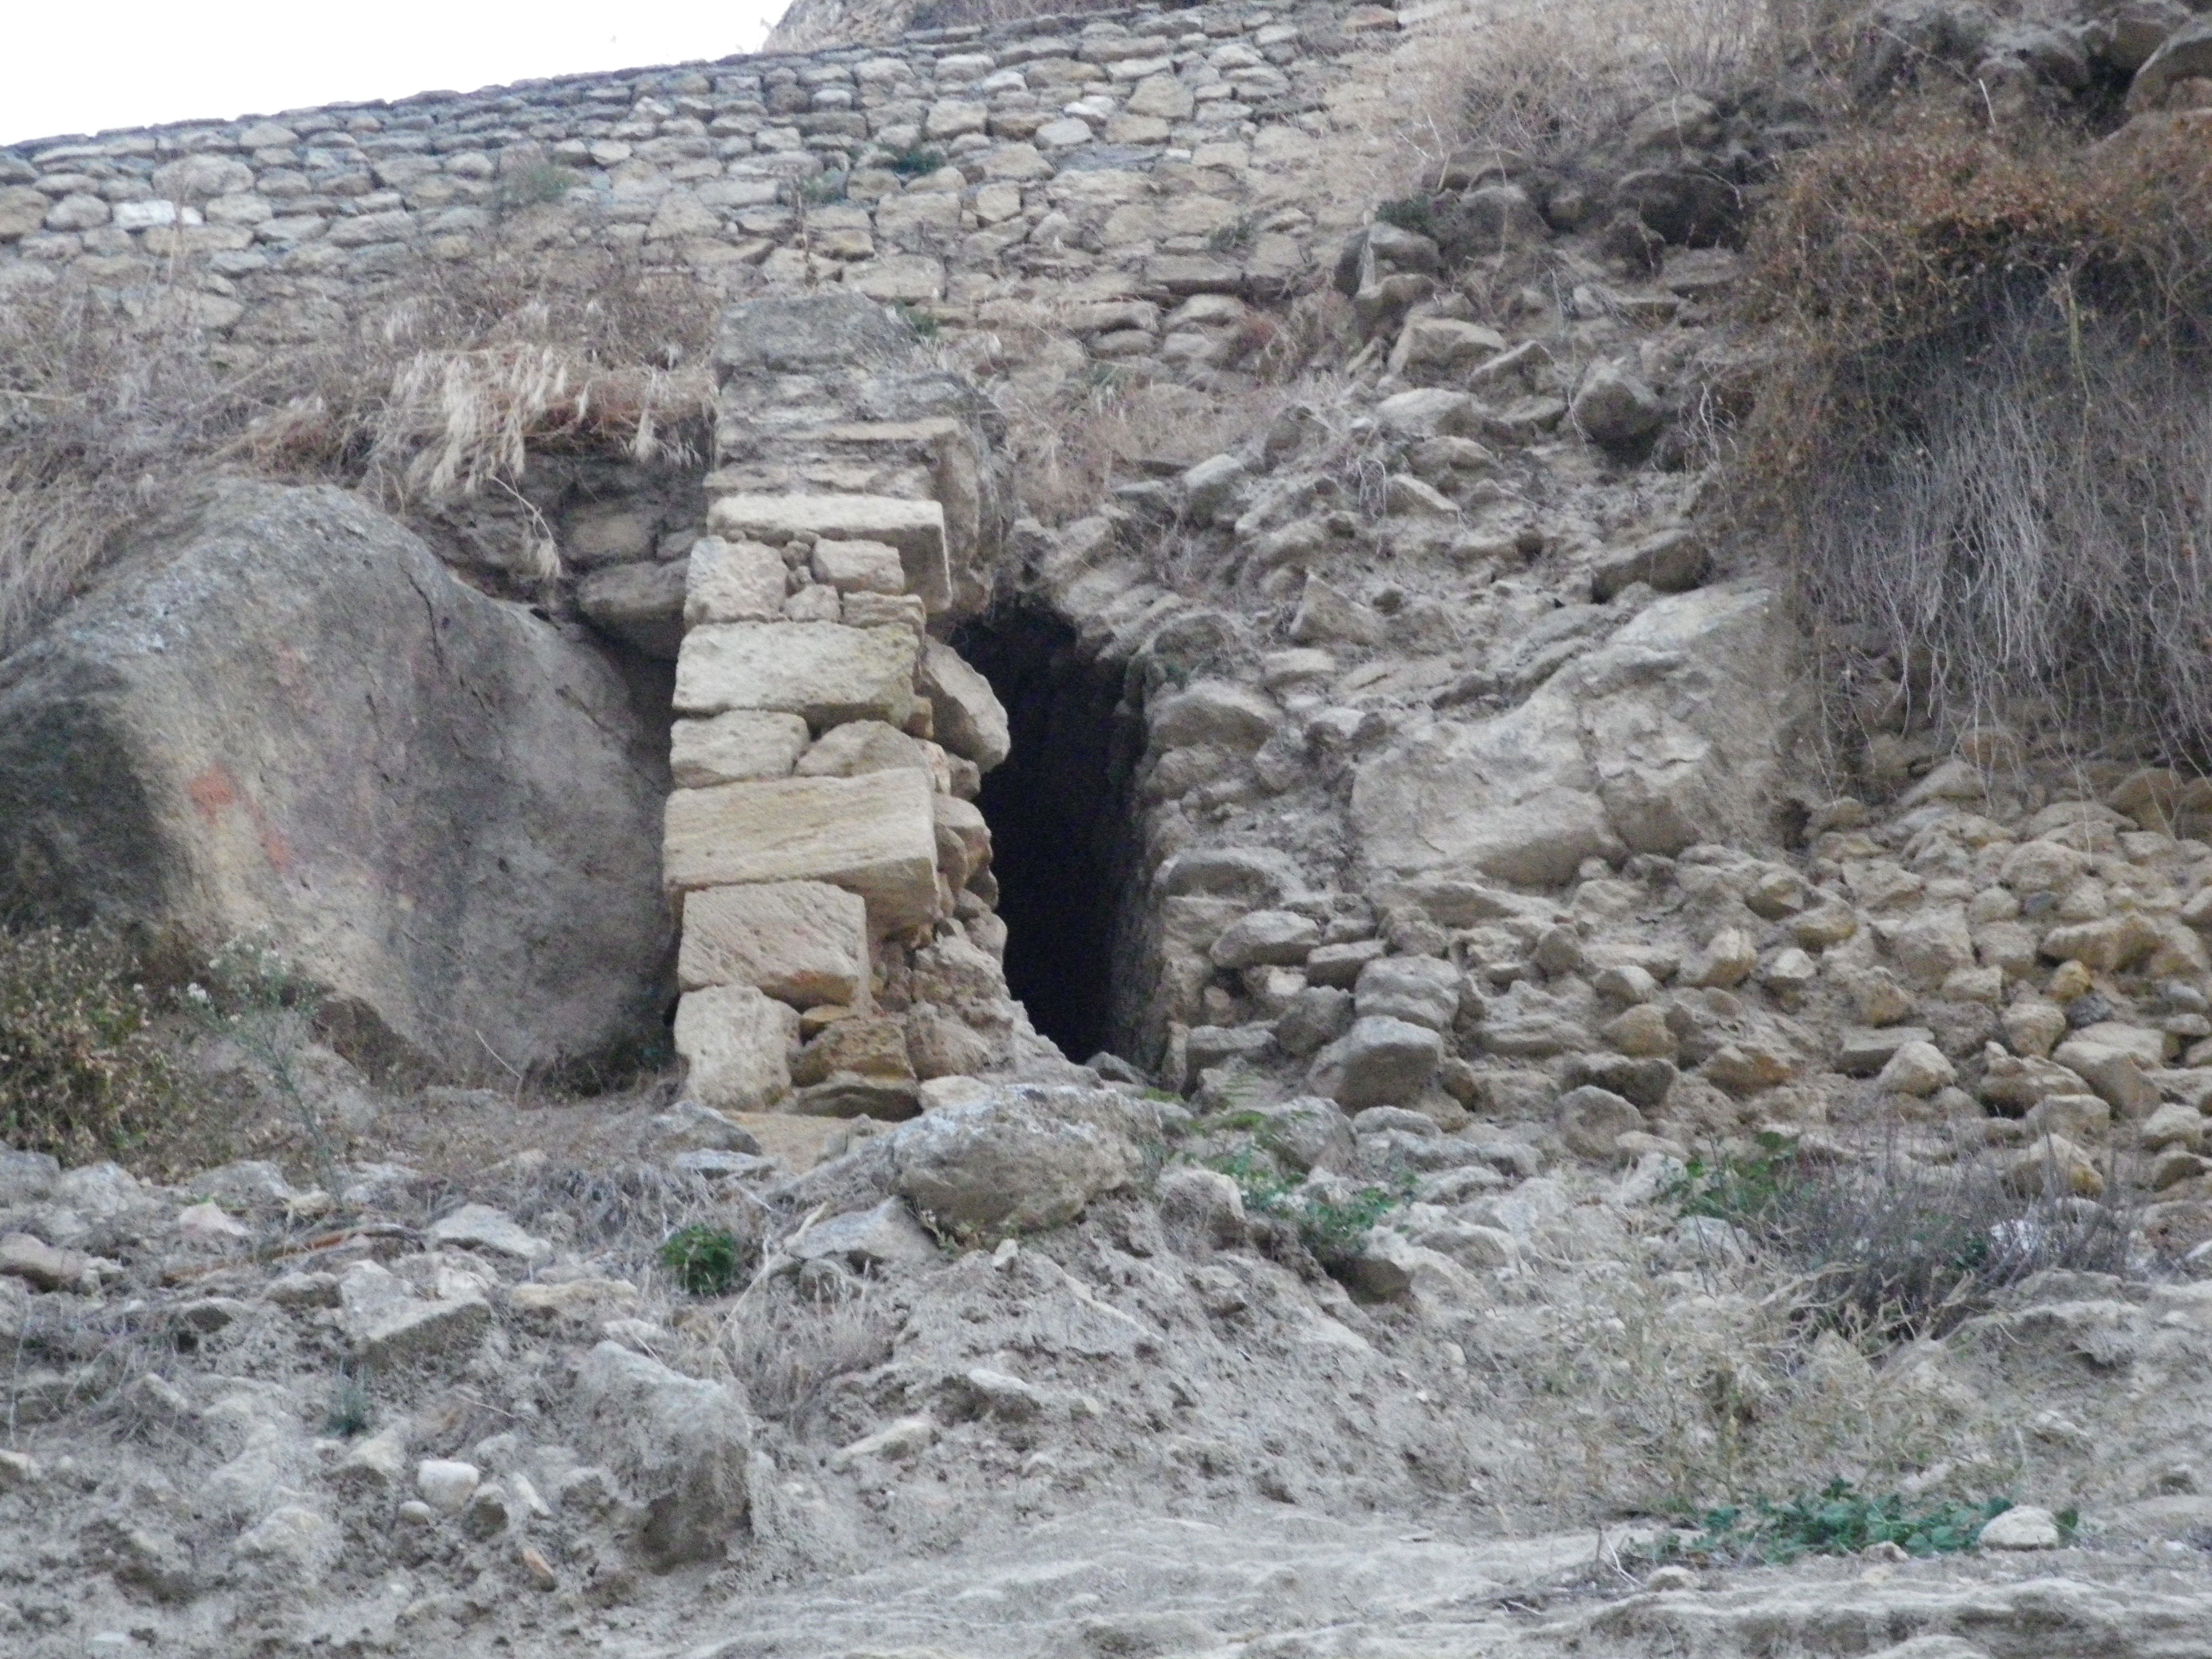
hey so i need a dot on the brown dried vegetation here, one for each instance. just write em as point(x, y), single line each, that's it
point(437, 390)
point(1984, 437)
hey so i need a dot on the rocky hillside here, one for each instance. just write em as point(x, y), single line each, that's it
point(1199, 934)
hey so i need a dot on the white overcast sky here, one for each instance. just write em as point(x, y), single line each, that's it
point(69, 69)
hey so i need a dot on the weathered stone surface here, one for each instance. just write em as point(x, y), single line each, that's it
point(916, 528)
point(874, 835)
point(480, 1227)
point(823, 671)
point(857, 746)
point(971, 719)
point(856, 567)
point(391, 1326)
point(640, 604)
point(887, 1232)
point(1379, 1061)
point(681, 1446)
point(737, 1042)
point(1592, 1120)
point(1021, 1158)
point(734, 746)
point(2186, 54)
point(1421, 990)
point(1616, 409)
point(1669, 733)
point(281, 717)
point(801, 942)
point(729, 582)
point(1265, 936)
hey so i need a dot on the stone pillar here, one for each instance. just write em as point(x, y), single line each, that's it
point(832, 874)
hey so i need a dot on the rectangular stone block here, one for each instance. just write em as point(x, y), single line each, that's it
point(738, 1043)
point(860, 567)
point(801, 942)
point(734, 746)
point(823, 671)
point(916, 528)
point(874, 835)
point(732, 582)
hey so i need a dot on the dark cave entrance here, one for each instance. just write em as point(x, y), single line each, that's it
point(1063, 839)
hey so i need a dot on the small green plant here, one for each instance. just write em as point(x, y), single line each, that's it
point(925, 326)
point(915, 161)
point(535, 186)
point(1412, 213)
point(1333, 1230)
point(821, 190)
point(1741, 1190)
point(1839, 1520)
point(255, 998)
point(351, 1410)
point(1238, 233)
point(703, 1259)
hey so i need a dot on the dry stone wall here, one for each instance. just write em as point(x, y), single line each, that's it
point(1124, 153)
point(823, 846)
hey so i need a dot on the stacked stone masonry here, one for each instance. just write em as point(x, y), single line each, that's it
point(831, 874)
point(1124, 154)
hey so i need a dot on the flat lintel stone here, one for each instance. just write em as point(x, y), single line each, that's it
point(802, 942)
point(916, 528)
point(874, 835)
point(825, 671)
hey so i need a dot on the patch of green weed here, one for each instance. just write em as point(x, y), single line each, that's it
point(1332, 1230)
point(1412, 213)
point(703, 1259)
point(535, 186)
point(1742, 1190)
point(915, 161)
point(1840, 1519)
point(925, 326)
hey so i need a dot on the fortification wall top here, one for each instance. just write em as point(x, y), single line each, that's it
point(930, 172)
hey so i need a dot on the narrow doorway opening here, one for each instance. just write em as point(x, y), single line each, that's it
point(1062, 835)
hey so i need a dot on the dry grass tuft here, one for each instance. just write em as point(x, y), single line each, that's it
point(438, 392)
point(1549, 83)
point(1985, 435)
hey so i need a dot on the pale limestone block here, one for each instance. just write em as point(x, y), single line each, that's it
point(732, 582)
point(734, 746)
point(971, 719)
point(860, 567)
point(737, 1042)
point(874, 835)
point(825, 671)
point(916, 528)
point(801, 942)
point(857, 746)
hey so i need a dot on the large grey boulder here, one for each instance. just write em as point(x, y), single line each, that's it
point(1672, 732)
point(280, 717)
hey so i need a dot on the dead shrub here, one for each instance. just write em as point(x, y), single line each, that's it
point(1985, 437)
point(441, 388)
point(1547, 84)
point(85, 1073)
point(1893, 1248)
point(791, 1349)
